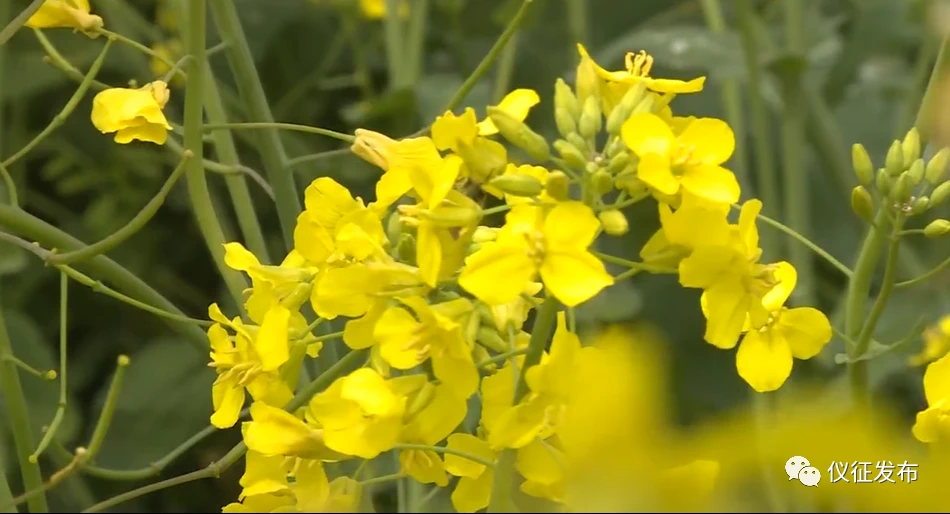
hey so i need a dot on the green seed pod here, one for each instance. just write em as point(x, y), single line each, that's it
point(591, 119)
point(910, 146)
point(519, 134)
point(940, 194)
point(916, 172)
point(862, 204)
point(518, 184)
point(571, 154)
point(618, 162)
point(565, 122)
point(894, 162)
point(614, 222)
point(883, 181)
point(937, 166)
point(937, 228)
point(920, 205)
point(602, 182)
point(557, 185)
point(861, 162)
point(565, 100)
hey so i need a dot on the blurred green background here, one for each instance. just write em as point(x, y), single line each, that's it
point(322, 64)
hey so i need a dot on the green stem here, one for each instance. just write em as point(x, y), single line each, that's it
point(12, 196)
point(56, 59)
point(67, 109)
point(922, 69)
point(383, 479)
point(415, 42)
point(194, 174)
point(154, 468)
point(921, 278)
point(63, 395)
point(346, 138)
point(228, 170)
point(506, 67)
point(16, 23)
point(858, 369)
point(805, 242)
point(227, 154)
point(35, 229)
point(130, 228)
point(393, 26)
point(325, 379)
point(766, 180)
point(108, 410)
point(252, 93)
point(131, 43)
point(19, 419)
point(763, 413)
point(6, 496)
point(577, 20)
point(544, 322)
point(928, 105)
point(731, 95)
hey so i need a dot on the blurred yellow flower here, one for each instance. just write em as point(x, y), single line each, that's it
point(133, 113)
point(72, 14)
point(936, 343)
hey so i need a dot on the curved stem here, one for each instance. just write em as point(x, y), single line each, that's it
point(35, 229)
point(921, 278)
point(8, 183)
point(56, 59)
point(448, 451)
point(108, 409)
point(194, 175)
point(319, 156)
point(130, 228)
point(19, 420)
point(155, 467)
point(229, 170)
point(63, 394)
point(144, 49)
point(70, 106)
point(415, 41)
point(395, 49)
point(280, 126)
point(16, 23)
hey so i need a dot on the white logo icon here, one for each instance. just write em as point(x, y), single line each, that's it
point(809, 476)
point(794, 465)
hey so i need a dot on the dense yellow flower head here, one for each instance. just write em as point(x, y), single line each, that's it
point(74, 14)
point(133, 113)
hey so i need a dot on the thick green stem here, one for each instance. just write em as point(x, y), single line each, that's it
point(193, 141)
point(929, 104)
point(415, 42)
point(6, 496)
point(395, 42)
point(544, 322)
point(506, 67)
point(766, 180)
point(16, 23)
point(922, 70)
point(19, 419)
point(576, 24)
point(104, 268)
point(252, 93)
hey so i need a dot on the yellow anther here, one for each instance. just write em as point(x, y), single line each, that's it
point(639, 64)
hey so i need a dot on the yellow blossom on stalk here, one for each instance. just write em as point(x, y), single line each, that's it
point(74, 14)
point(514, 314)
point(936, 343)
point(691, 160)
point(474, 488)
point(764, 359)
point(538, 172)
point(692, 225)
point(537, 240)
point(435, 332)
point(516, 104)
point(133, 113)
point(395, 158)
point(933, 423)
point(433, 413)
point(250, 359)
point(274, 432)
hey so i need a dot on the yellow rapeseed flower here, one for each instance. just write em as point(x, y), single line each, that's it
point(72, 14)
point(936, 343)
point(933, 424)
point(442, 411)
point(133, 113)
point(474, 488)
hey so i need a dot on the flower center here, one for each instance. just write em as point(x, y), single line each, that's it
point(639, 64)
point(536, 246)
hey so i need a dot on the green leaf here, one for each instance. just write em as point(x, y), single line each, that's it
point(165, 398)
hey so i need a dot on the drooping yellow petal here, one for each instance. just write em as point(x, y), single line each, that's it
point(574, 276)
point(764, 361)
point(473, 494)
point(516, 104)
point(711, 182)
point(227, 399)
point(570, 225)
point(482, 270)
point(805, 329)
point(937, 381)
point(467, 443)
point(271, 343)
point(711, 140)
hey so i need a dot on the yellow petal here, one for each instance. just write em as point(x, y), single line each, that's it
point(467, 443)
point(276, 432)
point(647, 133)
point(787, 278)
point(574, 276)
point(472, 494)
point(929, 426)
point(728, 307)
point(428, 253)
point(456, 369)
point(711, 139)
point(711, 182)
point(937, 380)
point(239, 258)
point(570, 225)
point(807, 331)
point(764, 361)
point(271, 343)
point(393, 331)
point(655, 171)
point(516, 104)
point(328, 201)
point(367, 388)
point(449, 130)
point(228, 399)
point(493, 260)
point(444, 413)
point(536, 462)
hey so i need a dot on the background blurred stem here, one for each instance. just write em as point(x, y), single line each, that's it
point(576, 24)
point(793, 149)
point(395, 45)
point(415, 42)
point(731, 98)
point(252, 93)
point(766, 180)
point(922, 70)
point(194, 170)
point(6, 497)
point(19, 418)
point(928, 105)
point(506, 67)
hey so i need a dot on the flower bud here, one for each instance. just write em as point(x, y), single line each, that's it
point(602, 182)
point(862, 204)
point(883, 181)
point(591, 119)
point(940, 194)
point(937, 228)
point(518, 134)
point(614, 222)
point(485, 234)
point(920, 205)
point(618, 162)
point(571, 154)
point(518, 184)
point(645, 105)
point(483, 157)
point(480, 354)
point(903, 189)
point(450, 216)
point(894, 162)
point(373, 147)
point(420, 400)
point(916, 172)
point(565, 122)
point(581, 144)
point(861, 162)
point(489, 338)
point(910, 146)
point(394, 226)
point(937, 166)
point(406, 248)
point(586, 82)
point(622, 111)
point(557, 185)
point(565, 100)
point(615, 145)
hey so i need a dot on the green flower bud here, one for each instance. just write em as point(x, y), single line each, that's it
point(645, 105)
point(618, 162)
point(489, 338)
point(937, 166)
point(480, 354)
point(518, 184)
point(565, 122)
point(394, 226)
point(578, 141)
point(883, 181)
point(557, 185)
point(894, 162)
point(614, 222)
point(937, 228)
point(861, 162)
point(614, 146)
point(518, 134)
point(586, 82)
point(862, 204)
point(622, 111)
point(406, 248)
point(910, 146)
point(484, 158)
point(571, 154)
point(565, 100)
point(602, 182)
point(916, 172)
point(920, 205)
point(591, 119)
point(940, 194)
point(903, 189)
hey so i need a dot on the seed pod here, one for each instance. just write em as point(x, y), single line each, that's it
point(614, 222)
point(861, 162)
point(862, 204)
point(883, 181)
point(940, 194)
point(557, 185)
point(519, 134)
point(937, 228)
point(518, 184)
point(591, 119)
point(571, 154)
point(937, 166)
point(910, 146)
point(894, 162)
